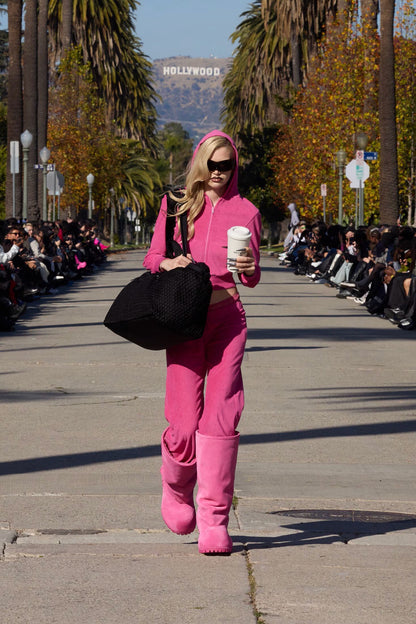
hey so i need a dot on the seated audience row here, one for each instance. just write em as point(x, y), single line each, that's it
point(35, 259)
point(374, 267)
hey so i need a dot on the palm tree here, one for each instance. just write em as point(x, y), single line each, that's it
point(369, 12)
point(249, 91)
point(176, 152)
point(15, 97)
point(67, 9)
point(138, 180)
point(275, 42)
point(4, 40)
point(30, 100)
point(43, 82)
point(389, 193)
point(299, 27)
point(105, 31)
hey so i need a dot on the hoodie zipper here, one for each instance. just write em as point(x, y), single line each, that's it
point(209, 229)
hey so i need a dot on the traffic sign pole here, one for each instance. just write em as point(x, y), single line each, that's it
point(45, 197)
point(14, 168)
point(356, 207)
point(54, 193)
point(323, 194)
point(357, 171)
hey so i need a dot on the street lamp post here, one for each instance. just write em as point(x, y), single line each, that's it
point(26, 139)
point(90, 182)
point(112, 193)
point(361, 140)
point(137, 224)
point(341, 157)
point(122, 222)
point(44, 157)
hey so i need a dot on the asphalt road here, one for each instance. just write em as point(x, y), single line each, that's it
point(325, 522)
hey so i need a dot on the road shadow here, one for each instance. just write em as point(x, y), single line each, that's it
point(331, 334)
point(85, 345)
point(74, 460)
point(329, 531)
point(263, 349)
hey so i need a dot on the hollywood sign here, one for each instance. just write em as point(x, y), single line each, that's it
point(170, 70)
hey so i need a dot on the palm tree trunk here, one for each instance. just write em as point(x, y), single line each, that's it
point(296, 58)
point(42, 89)
point(15, 101)
point(369, 12)
point(30, 99)
point(67, 7)
point(389, 193)
point(342, 6)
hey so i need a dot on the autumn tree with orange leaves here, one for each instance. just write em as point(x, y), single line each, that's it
point(79, 137)
point(330, 109)
point(406, 110)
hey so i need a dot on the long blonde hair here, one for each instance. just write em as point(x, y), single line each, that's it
point(193, 198)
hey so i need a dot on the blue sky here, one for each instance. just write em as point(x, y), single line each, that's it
point(188, 27)
point(191, 27)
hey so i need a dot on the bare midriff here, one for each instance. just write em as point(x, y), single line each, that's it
point(222, 293)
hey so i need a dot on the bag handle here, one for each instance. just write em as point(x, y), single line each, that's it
point(183, 219)
point(173, 248)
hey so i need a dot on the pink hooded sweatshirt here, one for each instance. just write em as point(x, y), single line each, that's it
point(209, 242)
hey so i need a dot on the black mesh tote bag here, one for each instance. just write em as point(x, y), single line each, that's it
point(159, 310)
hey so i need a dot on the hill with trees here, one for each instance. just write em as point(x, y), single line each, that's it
point(191, 92)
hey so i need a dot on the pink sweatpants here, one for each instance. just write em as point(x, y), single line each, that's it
point(214, 361)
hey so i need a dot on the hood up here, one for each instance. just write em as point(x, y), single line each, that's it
point(232, 188)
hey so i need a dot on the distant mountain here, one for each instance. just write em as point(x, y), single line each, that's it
point(191, 92)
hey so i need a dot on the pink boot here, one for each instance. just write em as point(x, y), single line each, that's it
point(178, 481)
point(216, 462)
point(80, 265)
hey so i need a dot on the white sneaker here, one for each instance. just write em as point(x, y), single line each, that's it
point(361, 300)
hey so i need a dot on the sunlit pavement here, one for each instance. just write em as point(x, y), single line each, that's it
point(325, 521)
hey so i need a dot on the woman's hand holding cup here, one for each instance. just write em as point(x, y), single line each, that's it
point(246, 264)
point(239, 255)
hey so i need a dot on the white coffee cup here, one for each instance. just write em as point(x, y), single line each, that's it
point(238, 239)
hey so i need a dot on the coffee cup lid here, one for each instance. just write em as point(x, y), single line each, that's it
point(239, 232)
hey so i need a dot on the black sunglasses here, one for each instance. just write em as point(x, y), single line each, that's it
point(220, 165)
